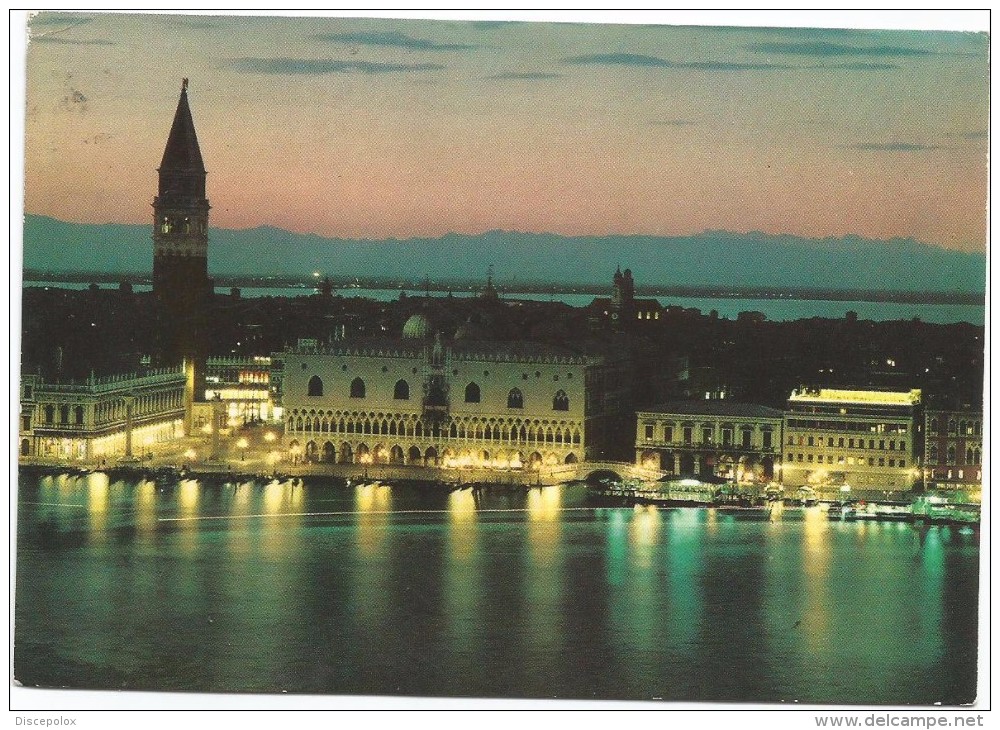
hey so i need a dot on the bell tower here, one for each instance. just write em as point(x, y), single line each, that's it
point(181, 288)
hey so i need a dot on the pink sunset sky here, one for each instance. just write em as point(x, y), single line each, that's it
point(376, 128)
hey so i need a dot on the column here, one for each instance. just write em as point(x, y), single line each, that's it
point(129, 409)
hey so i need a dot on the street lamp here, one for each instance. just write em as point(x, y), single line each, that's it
point(242, 445)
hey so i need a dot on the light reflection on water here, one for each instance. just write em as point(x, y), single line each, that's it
point(484, 592)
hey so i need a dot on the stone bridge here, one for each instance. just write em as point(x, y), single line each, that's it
point(589, 470)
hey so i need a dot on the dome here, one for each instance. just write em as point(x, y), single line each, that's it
point(417, 327)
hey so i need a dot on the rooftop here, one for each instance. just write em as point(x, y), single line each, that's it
point(491, 350)
point(714, 408)
point(869, 397)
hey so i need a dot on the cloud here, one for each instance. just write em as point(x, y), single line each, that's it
point(723, 66)
point(826, 49)
point(981, 134)
point(59, 19)
point(69, 41)
point(618, 59)
point(392, 39)
point(860, 66)
point(312, 66)
point(524, 76)
point(636, 60)
point(893, 147)
point(672, 123)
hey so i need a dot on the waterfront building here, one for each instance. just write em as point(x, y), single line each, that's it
point(423, 401)
point(720, 438)
point(114, 416)
point(243, 384)
point(853, 439)
point(182, 291)
point(622, 310)
point(953, 451)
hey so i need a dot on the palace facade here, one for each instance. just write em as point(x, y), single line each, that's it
point(116, 416)
point(740, 441)
point(418, 400)
point(865, 439)
point(953, 457)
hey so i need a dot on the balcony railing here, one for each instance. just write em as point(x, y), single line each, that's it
point(706, 446)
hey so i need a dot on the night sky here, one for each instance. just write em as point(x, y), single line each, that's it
point(398, 128)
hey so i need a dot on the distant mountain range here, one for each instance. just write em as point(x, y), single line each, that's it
point(712, 258)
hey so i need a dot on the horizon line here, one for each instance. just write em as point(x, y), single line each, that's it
point(416, 237)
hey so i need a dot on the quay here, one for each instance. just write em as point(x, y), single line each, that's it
point(914, 508)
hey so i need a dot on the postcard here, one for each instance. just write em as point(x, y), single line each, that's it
point(502, 357)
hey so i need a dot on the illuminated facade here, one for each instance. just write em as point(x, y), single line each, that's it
point(243, 384)
point(721, 438)
point(418, 401)
point(865, 439)
point(953, 454)
point(103, 417)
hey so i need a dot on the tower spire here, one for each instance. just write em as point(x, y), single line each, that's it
point(182, 155)
point(182, 290)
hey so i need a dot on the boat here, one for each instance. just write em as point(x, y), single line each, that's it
point(893, 512)
point(935, 509)
point(669, 491)
point(839, 511)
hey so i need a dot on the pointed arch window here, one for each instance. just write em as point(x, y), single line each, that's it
point(515, 399)
point(315, 385)
point(561, 401)
point(357, 388)
point(401, 391)
point(472, 393)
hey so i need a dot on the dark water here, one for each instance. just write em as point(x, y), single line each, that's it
point(380, 590)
